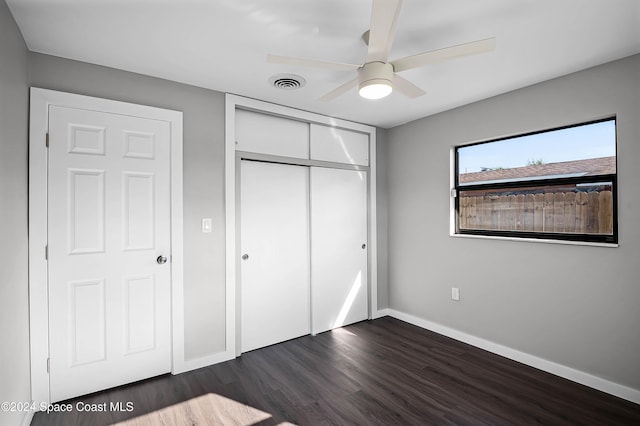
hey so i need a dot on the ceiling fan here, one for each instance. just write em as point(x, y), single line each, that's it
point(378, 77)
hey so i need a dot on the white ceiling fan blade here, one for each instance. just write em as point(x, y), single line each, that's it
point(343, 88)
point(440, 55)
point(406, 87)
point(339, 66)
point(384, 17)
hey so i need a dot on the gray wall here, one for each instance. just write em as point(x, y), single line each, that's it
point(382, 181)
point(14, 302)
point(203, 115)
point(574, 305)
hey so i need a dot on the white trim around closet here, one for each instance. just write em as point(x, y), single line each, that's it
point(234, 102)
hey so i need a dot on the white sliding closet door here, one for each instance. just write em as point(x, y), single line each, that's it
point(338, 249)
point(275, 253)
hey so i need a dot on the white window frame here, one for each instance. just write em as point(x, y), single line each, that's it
point(453, 232)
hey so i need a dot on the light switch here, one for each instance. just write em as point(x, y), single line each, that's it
point(455, 293)
point(207, 224)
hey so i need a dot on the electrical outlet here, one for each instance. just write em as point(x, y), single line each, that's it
point(455, 293)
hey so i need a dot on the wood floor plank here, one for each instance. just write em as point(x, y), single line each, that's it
point(381, 372)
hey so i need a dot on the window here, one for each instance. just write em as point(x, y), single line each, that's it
point(556, 184)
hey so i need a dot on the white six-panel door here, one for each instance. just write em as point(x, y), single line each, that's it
point(339, 248)
point(274, 245)
point(109, 222)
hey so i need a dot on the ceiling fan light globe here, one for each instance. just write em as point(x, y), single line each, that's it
point(375, 89)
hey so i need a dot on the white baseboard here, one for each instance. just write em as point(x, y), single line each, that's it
point(572, 374)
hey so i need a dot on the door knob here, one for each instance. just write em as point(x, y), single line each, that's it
point(364, 246)
point(161, 260)
point(245, 256)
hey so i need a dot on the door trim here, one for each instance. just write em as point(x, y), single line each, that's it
point(41, 99)
point(233, 102)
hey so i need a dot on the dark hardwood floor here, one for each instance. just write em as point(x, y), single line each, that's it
point(375, 372)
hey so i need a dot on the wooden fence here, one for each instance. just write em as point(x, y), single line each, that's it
point(569, 212)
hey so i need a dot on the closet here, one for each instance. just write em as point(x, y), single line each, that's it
point(303, 227)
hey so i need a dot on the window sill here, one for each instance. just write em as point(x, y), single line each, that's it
point(535, 240)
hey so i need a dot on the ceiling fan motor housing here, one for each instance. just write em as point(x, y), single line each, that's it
point(375, 73)
point(375, 79)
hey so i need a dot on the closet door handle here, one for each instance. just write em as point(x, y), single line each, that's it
point(245, 256)
point(364, 246)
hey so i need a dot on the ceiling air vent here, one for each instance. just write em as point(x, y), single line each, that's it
point(287, 81)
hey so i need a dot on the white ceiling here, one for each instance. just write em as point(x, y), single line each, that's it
point(222, 44)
